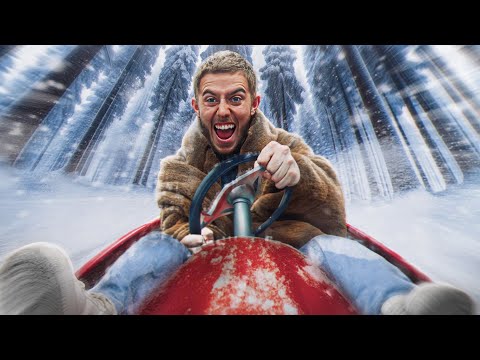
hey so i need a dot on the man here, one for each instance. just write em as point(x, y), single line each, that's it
point(229, 122)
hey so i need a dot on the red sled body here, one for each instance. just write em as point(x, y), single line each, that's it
point(244, 276)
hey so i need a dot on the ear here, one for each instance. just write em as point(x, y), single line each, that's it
point(255, 104)
point(195, 105)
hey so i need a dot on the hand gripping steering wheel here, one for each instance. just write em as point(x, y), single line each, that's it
point(235, 197)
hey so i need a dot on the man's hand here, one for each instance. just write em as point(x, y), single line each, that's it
point(280, 165)
point(194, 243)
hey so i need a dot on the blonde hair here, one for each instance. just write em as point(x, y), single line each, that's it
point(226, 62)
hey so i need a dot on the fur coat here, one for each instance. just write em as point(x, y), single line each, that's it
point(317, 203)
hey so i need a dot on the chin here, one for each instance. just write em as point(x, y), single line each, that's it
point(225, 151)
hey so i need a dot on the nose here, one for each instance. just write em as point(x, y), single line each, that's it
point(223, 109)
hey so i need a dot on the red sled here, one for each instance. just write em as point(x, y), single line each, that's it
point(245, 274)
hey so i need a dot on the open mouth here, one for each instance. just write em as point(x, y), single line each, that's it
point(224, 131)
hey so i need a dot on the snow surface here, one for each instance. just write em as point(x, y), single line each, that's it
point(438, 233)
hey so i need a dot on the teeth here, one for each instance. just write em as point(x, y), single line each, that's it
point(224, 127)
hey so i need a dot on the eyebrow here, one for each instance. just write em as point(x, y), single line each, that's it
point(241, 90)
point(238, 90)
point(208, 92)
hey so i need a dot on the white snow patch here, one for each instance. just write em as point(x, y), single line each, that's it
point(226, 277)
point(264, 290)
point(289, 309)
point(216, 260)
point(314, 272)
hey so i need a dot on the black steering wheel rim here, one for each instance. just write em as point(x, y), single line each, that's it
point(212, 177)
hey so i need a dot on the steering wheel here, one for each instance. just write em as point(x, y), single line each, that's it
point(213, 176)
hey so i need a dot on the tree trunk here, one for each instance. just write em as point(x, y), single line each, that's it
point(23, 118)
point(404, 76)
point(147, 158)
point(400, 169)
point(5, 49)
point(78, 163)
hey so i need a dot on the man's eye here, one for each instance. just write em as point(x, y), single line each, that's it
point(236, 99)
point(210, 100)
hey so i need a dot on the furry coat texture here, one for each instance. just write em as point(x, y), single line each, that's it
point(316, 207)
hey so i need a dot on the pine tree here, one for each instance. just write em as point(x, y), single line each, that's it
point(421, 99)
point(136, 77)
point(282, 88)
point(172, 88)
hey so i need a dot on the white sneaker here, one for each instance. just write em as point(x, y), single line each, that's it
point(430, 299)
point(38, 279)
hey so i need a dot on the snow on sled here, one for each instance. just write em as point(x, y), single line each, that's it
point(243, 274)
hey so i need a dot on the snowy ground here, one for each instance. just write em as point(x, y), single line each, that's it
point(440, 234)
point(82, 219)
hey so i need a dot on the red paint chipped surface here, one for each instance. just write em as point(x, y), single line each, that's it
point(248, 276)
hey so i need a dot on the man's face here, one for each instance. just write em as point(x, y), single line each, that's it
point(225, 107)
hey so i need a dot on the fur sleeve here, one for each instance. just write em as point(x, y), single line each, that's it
point(176, 186)
point(317, 198)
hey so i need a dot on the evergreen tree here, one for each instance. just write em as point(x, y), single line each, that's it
point(282, 88)
point(171, 137)
point(136, 79)
point(329, 102)
point(172, 88)
point(411, 83)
